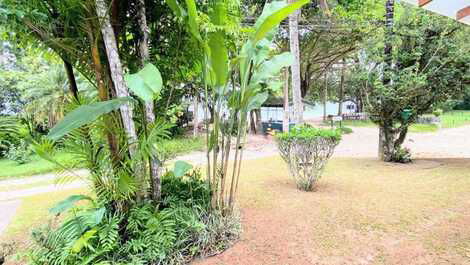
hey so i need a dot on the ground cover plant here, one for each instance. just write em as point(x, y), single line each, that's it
point(306, 150)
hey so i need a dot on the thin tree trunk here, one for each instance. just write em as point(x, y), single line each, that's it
point(117, 75)
point(196, 116)
point(295, 68)
point(71, 78)
point(258, 122)
point(285, 121)
point(325, 95)
point(154, 164)
point(252, 122)
point(103, 94)
point(341, 91)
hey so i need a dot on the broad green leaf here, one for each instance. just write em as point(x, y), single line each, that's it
point(147, 83)
point(176, 8)
point(68, 203)
point(96, 216)
point(219, 57)
point(83, 115)
point(126, 184)
point(256, 101)
point(269, 9)
point(83, 240)
point(181, 168)
point(218, 15)
point(275, 18)
point(272, 67)
point(192, 19)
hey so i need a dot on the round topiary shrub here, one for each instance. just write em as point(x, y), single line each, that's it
point(306, 151)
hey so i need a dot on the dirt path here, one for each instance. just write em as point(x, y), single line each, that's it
point(362, 213)
point(7, 210)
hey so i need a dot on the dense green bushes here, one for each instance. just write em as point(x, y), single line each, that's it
point(181, 227)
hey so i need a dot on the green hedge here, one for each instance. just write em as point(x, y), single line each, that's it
point(306, 132)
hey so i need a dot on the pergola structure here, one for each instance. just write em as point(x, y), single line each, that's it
point(455, 9)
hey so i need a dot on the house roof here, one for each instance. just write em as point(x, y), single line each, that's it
point(455, 9)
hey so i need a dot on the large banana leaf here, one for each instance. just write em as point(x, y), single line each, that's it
point(147, 83)
point(218, 57)
point(272, 67)
point(68, 203)
point(256, 101)
point(176, 8)
point(192, 19)
point(83, 115)
point(270, 21)
point(218, 50)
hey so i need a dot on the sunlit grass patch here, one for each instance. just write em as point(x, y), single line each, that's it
point(37, 165)
point(453, 119)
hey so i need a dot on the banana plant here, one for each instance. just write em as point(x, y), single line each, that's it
point(234, 85)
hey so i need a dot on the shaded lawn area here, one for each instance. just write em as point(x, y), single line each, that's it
point(37, 165)
point(364, 211)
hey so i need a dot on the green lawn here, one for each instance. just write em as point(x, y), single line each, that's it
point(451, 119)
point(181, 145)
point(37, 165)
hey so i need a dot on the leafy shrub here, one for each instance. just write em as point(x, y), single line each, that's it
point(19, 153)
point(175, 231)
point(306, 151)
point(402, 155)
point(188, 190)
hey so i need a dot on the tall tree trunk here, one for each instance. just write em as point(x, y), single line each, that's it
point(285, 121)
point(252, 122)
point(71, 78)
point(258, 122)
point(196, 116)
point(295, 68)
point(385, 139)
point(154, 164)
point(117, 75)
point(387, 136)
point(103, 93)
point(325, 95)
point(341, 91)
